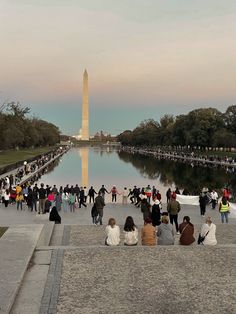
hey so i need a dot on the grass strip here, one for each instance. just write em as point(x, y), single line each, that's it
point(9, 157)
point(3, 230)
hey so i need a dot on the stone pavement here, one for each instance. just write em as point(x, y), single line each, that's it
point(161, 280)
point(73, 272)
point(82, 216)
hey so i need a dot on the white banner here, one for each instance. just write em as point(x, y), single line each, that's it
point(187, 199)
point(232, 208)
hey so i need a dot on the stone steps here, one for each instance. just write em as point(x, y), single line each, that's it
point(92, 235)
point(17, 247)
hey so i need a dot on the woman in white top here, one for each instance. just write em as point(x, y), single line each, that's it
point(131, 232)
point(112, 233)
point(125, 194)
point(208, 231)
point(6, 196)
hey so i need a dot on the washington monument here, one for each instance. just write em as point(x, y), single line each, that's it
point(85, 109)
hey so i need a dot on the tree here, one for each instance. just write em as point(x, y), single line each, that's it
point(230, 118)
point(201, 126)
point(166, 129)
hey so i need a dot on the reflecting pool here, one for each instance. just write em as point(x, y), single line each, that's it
point(95, 166)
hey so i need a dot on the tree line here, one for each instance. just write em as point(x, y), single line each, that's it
point(18, 130)
point(205, 127)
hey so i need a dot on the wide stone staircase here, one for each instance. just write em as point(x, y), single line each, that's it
point(68, 269)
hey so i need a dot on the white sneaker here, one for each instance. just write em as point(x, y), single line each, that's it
point(177, 233)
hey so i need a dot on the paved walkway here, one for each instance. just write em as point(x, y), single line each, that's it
point(82, 216)
point(78, 274)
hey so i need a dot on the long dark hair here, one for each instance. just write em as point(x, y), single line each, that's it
point(187, 219)
point(129, 224)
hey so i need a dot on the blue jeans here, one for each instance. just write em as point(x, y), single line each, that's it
point(224, 217)
point(19, 204)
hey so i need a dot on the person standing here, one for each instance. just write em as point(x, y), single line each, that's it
point(18, 189)
point(77, 190)
point(54, 189)
point(131, 196)
point(48, 189)
point(103, 191)
point(6, 197)
point(224, 210)
point(203, 199)
point(51, 198)
point(125, 194)
point(214, 199)
point(148, 193)
point(42, 193)
point(156, 213)
point(19, 200)
point(168, 195)
point(91, 194)
point(29, 201)
point(226, 193)
point(173, 209)
point(65, 201)
point(114, 193)
point(186, 229)
point(85, 194)
point(154, 192)
point(136, 193)
point(94, 214)
point(58, 201)
point(72, 199)
point(99, 203)
point(145, 208)
point(158, 196)
point(34, 198)
point(81, 198)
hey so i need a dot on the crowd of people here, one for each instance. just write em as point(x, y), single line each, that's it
point(12, 179)
point(164, 234)
point(187, 156)
point(158, 226)
point(42, 199)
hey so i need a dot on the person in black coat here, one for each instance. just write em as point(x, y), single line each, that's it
point(91, 194)
point(203, 199)
point(54, 216)
point(94, 214)
point(81, 198)
point(156, 213)
point(145, 209)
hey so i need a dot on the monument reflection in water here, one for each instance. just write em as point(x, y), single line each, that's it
point(95, 166)
point(84, 154)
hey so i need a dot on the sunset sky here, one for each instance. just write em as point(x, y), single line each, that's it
point(144, 58)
